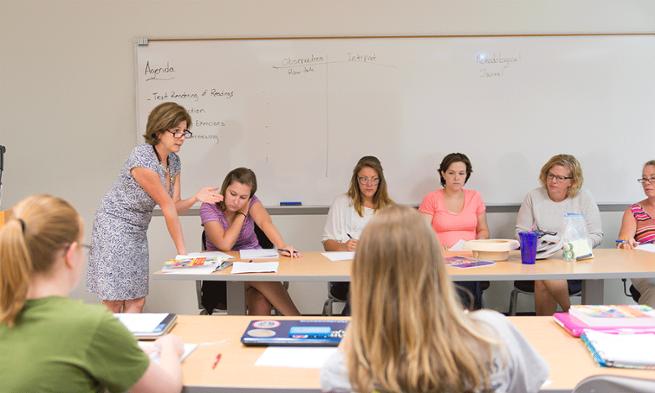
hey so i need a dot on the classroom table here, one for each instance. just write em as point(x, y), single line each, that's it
point(314, 267)
point(568, 359)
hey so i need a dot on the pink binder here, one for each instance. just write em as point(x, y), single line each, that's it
point(575, 327)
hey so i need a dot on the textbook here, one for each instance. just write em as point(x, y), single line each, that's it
point(614, 315)
point(147, 325)
point(575, 327)
point(621, 350)
point(302, 332)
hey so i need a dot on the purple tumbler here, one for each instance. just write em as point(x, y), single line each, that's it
point(528, 241)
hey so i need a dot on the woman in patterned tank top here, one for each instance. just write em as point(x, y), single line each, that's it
point(638, 227)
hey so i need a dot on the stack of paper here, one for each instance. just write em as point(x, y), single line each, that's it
point(258, 267)
point(259, 253)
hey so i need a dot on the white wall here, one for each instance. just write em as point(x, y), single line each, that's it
point(67, 85)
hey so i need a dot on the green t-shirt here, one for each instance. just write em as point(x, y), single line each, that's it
point(62, 345)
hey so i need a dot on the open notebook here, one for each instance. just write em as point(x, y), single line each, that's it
point(147, 326)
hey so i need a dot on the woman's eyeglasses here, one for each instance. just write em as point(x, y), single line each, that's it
point(552, 177)
point(649, 180)
point(178, 134)
point(374, 181)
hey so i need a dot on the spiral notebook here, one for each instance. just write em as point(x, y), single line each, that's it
point(621, 350)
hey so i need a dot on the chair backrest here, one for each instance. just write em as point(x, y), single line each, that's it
point(614, 384)
point(264, 241)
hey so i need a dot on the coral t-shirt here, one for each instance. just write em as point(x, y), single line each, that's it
point(449, 226)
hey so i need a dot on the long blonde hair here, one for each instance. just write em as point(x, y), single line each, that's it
point(408, 333)
point(36, 229)
point(381, 198)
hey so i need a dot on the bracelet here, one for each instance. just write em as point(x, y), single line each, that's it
point(244, 214)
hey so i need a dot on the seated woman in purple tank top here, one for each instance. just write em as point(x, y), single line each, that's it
point(230, 226)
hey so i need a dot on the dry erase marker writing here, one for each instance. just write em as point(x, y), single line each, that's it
point(218, 359)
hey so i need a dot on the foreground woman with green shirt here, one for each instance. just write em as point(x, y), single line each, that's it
point(51, 343)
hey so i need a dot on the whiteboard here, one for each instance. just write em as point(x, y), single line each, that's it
point(301, 112)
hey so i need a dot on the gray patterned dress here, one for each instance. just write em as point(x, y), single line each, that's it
point(118, 263)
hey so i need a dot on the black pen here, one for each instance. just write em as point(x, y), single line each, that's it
point(349, 237)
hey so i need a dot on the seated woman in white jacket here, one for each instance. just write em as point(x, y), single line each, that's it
point(350, 212)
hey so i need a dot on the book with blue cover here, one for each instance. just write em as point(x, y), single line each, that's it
point(301, 332)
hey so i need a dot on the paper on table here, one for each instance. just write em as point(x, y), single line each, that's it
point(257, 267)
point(211, 254)
point(339, 255)
point(141, 322)
point(151, 349)
point(298, 357)
point(650, 247)
point(259, 253)
point(459, 246)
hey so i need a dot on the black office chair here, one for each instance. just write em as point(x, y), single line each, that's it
point(634, 293)
point(470, 293)
point(212, 295)
point(527, 288)
point(337, 293)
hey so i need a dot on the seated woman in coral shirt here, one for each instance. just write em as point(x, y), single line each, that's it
point(456, 213)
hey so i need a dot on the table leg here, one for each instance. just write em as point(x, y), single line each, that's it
point(593, 291)
point(236, 298)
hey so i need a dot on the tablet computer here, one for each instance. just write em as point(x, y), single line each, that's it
point(147, 325)
point(302, 332)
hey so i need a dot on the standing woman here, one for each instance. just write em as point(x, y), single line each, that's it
point(230, 226)
point(456, 213)
point(409, 334)
point(638, 227)
point(51, 343)
point(118, 263)
point(543, 209)
point(350, 212)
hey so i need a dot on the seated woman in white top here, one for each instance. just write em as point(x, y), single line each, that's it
point(544, 208)
point(351, 211)
point(408, 333)
point(49, 342)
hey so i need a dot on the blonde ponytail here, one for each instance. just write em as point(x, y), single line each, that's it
point(37, 228)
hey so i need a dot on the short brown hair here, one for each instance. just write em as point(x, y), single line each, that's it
point(164, 117)
point(242, 175)
point(571, 163)
point(381, 198)
point(452, 158)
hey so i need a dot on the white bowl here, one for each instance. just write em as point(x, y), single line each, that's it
point(493, 249)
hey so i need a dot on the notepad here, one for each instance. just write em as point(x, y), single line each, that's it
point(295, 357)
point(153, 352)
point(259, 253)
point(147, 325)
point(621, 350)
point(254, 267)
point(335, 256)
